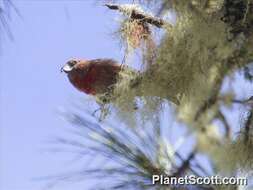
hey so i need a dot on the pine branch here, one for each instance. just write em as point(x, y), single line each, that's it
point(185, 165)
point(6, 7)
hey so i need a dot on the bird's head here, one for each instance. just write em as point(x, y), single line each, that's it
point(69, 66)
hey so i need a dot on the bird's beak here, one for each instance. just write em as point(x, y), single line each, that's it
point(66, 68)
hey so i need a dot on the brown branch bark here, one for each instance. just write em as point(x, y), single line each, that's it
point(137, 15)
point(248, 126)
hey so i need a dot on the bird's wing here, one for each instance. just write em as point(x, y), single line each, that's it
point(105, 61)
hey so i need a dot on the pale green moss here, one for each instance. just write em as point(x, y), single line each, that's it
point(193, 58)
point(236, 155)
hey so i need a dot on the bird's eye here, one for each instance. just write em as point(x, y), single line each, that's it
point(72, 63)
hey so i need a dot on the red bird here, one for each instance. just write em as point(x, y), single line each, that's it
point(93, 77)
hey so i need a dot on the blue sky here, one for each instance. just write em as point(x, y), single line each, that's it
point(33, 89)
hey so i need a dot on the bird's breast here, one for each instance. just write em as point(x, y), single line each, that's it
point(84, 83)
point(97, 80)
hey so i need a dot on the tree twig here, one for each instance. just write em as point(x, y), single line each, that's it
point(138, 15)
point(223, 119)
point(229, 66)
point(248, 125)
